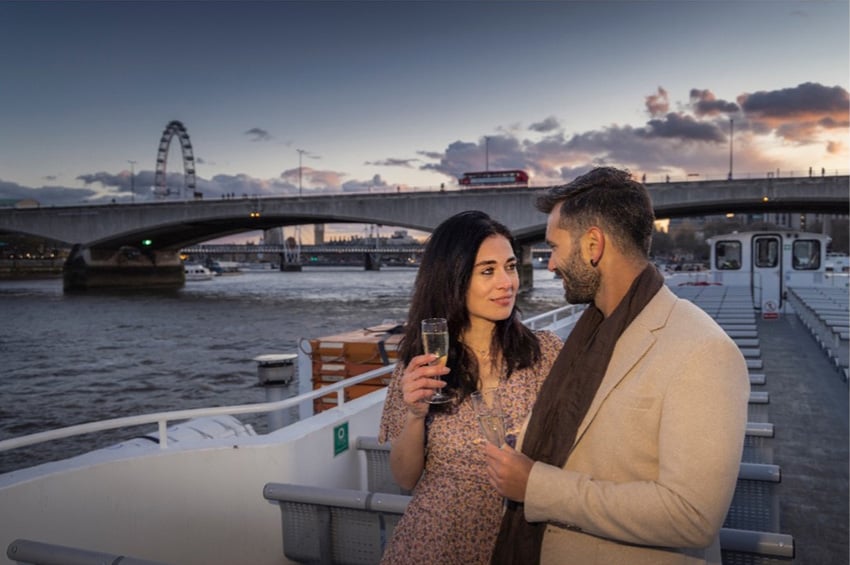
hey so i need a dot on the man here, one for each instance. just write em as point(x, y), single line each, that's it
point(632, 451)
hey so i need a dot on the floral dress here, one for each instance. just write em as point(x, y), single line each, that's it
point(455, 513)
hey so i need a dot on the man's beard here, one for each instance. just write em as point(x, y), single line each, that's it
point(581, 282)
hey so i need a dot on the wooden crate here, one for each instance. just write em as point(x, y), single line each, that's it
point(330, 400)
point(347, 355)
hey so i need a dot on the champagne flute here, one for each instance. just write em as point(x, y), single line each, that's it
point(488, 407)
point(435, 339)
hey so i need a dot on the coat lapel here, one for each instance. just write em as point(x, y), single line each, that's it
point(638, 338)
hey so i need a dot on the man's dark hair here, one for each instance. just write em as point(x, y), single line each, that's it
point(610, 199)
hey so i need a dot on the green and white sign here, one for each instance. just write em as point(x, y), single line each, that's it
point(340, 438)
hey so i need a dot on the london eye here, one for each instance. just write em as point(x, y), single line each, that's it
point(161, 189)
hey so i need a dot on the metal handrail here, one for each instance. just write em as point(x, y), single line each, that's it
point(162, 418)
point(552, 316)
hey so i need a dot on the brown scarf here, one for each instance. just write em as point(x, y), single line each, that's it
point(562, 403)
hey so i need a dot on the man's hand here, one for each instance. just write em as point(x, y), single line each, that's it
point(508, 470)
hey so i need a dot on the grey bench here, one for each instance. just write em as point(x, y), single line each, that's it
point(31, 552)
point(379, 478)
point(748, 547)
point(332, 525)
point(755, 504)
point(757, 379)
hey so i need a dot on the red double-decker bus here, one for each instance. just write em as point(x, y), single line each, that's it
point(493, 178)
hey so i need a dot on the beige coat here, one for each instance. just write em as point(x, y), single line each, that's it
point(656, 458)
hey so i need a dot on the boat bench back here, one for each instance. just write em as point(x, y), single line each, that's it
point(755, 506)
point(334, 526)
point(31, 552)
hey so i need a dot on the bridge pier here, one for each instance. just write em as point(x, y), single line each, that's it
point(288, 264)
point(372, 261)
point(525, 268)
point(125, 267)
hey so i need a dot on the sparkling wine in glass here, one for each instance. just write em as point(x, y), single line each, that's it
point(435, 340)
point(488, 408)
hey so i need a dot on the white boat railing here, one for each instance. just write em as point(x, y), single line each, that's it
point(163, 418)
point(556, 317)
point(553, 318)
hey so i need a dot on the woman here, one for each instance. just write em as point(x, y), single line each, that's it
point(468, 275)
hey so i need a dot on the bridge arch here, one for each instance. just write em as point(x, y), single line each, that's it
point(161, 190)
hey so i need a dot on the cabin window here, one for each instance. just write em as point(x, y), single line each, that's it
point(806, 254)
point(727, 255)
point(767, 253)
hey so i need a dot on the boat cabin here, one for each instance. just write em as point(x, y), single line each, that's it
point(768, 263)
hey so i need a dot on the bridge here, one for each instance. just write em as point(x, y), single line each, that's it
point(131, 243)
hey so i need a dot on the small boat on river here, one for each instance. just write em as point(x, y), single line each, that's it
point(196, 272)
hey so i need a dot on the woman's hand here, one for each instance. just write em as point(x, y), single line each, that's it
point(419, 381)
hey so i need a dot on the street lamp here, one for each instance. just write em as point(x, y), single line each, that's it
point(132, 181)
point(486, 153)
point(300, 154)
point(731, 134)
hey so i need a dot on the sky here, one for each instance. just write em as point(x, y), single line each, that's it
point(407, 95)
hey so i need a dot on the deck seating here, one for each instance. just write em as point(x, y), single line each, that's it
point(332, 525)
point(757, 379)
point(747, 547)
point(826, 313)
point(379, 478)
point(750, 534)
point(31, 552)
point(758, 406)
point(336, 526)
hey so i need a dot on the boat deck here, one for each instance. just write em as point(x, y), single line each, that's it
point(809, 409)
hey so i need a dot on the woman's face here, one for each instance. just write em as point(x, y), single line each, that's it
point(494, 282)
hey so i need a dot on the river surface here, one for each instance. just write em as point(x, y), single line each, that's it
point(72, 358)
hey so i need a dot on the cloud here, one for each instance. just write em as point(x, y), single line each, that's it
point(390, 162)
point(682, 127)
point(835, 147)
point(365, 186)
point(548, 124)
point(657, 104)
point(46, 195)
point(800, 113)
point(258, 134)
point(705, 103)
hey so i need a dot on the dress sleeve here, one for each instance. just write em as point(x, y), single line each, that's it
point(392, 418)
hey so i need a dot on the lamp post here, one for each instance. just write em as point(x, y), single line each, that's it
point(731, 135)
point(132, 181)
point(300, 154)
point(486, 153)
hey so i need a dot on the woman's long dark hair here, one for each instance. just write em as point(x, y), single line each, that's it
point(440, 292)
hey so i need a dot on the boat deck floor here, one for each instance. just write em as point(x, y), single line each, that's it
point(809, 408)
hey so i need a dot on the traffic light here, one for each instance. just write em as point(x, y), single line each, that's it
point(147, 242)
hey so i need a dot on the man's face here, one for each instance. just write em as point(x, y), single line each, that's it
point(580, 280)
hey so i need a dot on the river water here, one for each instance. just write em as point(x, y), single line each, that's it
point(71, 358)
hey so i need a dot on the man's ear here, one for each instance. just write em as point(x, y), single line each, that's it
point(593, 245)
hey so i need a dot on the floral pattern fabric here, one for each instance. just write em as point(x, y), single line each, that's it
point(455, 513)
